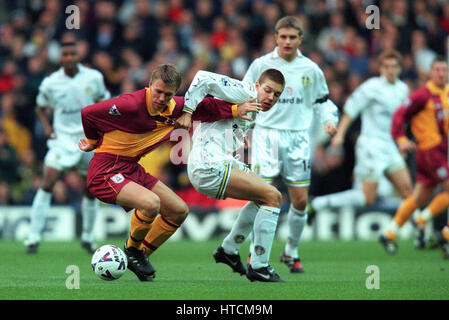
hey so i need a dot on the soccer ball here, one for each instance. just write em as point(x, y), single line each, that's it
point(109, 262)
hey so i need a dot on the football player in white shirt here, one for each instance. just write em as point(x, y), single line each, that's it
point(281, 136)
point(214, 171)
point(66, 91)
point(376, 153)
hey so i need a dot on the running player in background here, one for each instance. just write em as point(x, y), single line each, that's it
point(281, 135)
point(214, 170)
point(427, 109)
point(67, 91)
point(376, 154)
point(120, 131)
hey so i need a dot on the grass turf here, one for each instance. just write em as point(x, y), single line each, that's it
point(186, 270)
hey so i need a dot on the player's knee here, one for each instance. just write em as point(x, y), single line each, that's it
point(176, 212)
point(405, 191)
point(299, 204)
point(273, 197)
point(48, 186)
point(180, 214)
point(151, 206)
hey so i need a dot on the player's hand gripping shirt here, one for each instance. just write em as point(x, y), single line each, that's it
point(219, 139)
point(428, 111)
point(376, 100)
point(129, 126)
point(305, 89)
point(67, 96)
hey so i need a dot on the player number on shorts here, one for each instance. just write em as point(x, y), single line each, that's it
point(306, 165)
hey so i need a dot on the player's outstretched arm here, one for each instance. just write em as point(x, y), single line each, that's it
point(219, 86)
point(185, 120)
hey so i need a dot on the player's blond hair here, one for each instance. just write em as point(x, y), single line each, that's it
point(168, 74)
point(289, 22)
point(389, 54)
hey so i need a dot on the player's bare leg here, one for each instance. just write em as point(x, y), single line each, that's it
point(147, 206)
point(249, 186)
point(369, 189)
point(402, 181)
point(40, 207)
point(438, 204)
point(173, 212)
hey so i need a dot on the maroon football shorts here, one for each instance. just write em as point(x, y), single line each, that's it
point(431, 165)
point(109, 173)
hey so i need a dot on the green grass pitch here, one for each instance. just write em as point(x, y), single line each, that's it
point(186, 271)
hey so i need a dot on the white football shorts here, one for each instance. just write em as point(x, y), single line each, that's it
point(374, 158)
point(284, 153)
point(63, 154)
point(212, 179)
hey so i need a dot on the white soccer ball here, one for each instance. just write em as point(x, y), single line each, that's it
point(109, 262)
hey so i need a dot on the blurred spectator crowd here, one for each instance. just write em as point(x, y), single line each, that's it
point(125, 39)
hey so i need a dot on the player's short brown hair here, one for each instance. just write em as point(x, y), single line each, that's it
point(273, 75)
point(389, 54)
point(440, 59)
point(289, 22)
point(168, 74)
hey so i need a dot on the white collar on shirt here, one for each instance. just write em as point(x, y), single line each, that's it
point(275, 53)
point(384, 80)
point(80, 70)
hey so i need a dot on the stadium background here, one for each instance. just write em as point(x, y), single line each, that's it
point(125, 39)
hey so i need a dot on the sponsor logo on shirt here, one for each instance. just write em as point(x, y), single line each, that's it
point(292, 100)
point(114, 111)
point(169, 122)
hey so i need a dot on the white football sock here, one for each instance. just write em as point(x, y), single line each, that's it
point(241, 228)
point(352, 197)
point(264, 230)
point(392, 227)
point(296, 221)
point(38, 215)
point(89, 209)
point(426, 215)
